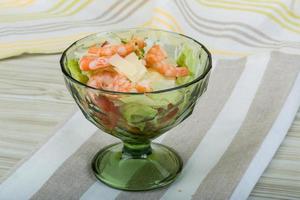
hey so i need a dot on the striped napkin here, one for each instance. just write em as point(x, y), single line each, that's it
point(227, 27)
point(237, 125)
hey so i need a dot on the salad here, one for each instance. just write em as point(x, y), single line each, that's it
point(126, 67)
point(133, 66)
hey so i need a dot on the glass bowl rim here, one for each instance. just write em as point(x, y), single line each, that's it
point(202, 76)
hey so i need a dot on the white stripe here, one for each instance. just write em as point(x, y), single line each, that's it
point(222, 132)
point(270, 144)
point(98, 189)
point(30, 177)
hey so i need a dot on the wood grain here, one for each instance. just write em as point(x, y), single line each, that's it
point(34, 100)
point(281, 180)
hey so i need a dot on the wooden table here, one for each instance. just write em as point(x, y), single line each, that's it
point(34, 100)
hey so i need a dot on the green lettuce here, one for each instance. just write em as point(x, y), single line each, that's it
point(139, 109)
point(136, 113)
point(187, 58)
point(75, 71)
point(155, 100)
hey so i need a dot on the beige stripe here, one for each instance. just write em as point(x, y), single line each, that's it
point(75, 176)
point(221, 84)
point(275, 87)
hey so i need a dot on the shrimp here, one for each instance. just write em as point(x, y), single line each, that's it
point(170, 70)
point(110, 80)
point(122, 49)
point(155, 55)
point(91, 63)
point(156, 59)
point(142, 87)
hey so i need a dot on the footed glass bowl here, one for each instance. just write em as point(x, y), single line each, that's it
point(138, 118)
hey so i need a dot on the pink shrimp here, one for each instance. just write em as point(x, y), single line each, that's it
point(122, 49)
point(155, 55)
point(156, 59)
point(143, 87)
point(110, 80)
point(170, 70)
point(91, 63)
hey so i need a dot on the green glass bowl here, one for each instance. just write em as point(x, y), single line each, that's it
point(138, 118)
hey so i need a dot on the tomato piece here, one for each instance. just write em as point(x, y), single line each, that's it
point(171, 114)
point(111, 112)
point(104, 103)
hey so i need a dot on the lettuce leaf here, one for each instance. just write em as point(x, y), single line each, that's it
point(75, 71)
point(136, 113)
point(187, 58)
point(139, 109)
point(155, 100)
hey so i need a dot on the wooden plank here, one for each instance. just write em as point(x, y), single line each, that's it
point(281, 180)
point(33, 100)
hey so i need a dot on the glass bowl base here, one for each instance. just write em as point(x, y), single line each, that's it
point(149, 171)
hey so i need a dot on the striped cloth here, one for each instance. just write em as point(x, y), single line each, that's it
point(237, 125)
point(228, 27)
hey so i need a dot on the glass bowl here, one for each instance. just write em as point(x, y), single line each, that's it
point(138, 118)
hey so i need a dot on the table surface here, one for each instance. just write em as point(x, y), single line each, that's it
point(34, 100)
